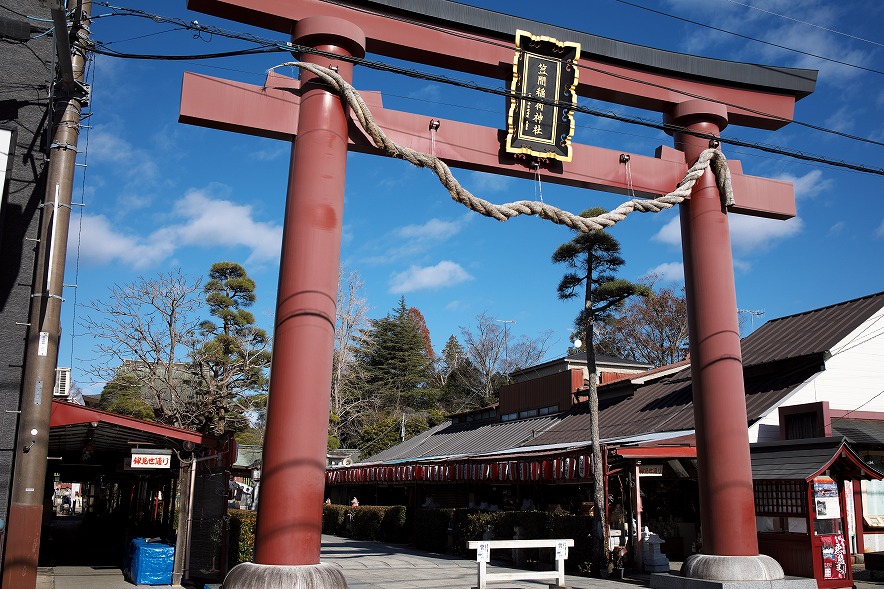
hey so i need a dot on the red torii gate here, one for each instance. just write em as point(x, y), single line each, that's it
point(698, 94)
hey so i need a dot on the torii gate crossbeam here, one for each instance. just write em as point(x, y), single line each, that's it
point(696, 93)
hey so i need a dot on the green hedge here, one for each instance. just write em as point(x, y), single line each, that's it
point(375, 522)
point(470, 524)
point(241, 532)
point(333, 519)
point(394, 524)
point(431, 529)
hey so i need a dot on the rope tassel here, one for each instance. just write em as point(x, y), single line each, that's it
point(710, 158)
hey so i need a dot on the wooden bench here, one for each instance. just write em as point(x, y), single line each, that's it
point(483, 550)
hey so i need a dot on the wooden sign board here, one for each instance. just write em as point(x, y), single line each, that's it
point(545, 69)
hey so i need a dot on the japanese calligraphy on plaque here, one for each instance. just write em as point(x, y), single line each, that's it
point(541, 117)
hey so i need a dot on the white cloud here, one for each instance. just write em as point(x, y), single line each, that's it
point(670, 233)
point(434, 229)
point(482, 183)
point(272, 152)
point(428, 93)
point(837, 228)
point(201, 220)
point(216, 222)
point(741, 265)
point(748, 234)
point(102, 243)
point(107, 147)
point(669, 272)
point(809, 185)
point(445, 273)
point(879, 232)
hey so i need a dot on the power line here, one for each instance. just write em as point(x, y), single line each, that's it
point(700, 24)
point(381, 66)
point(804, 22)
point(496, 44)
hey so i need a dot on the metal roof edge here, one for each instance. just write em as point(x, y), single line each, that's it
point(793, 81)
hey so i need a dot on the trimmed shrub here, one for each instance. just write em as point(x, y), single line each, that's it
point(469, 524)
point(431, 528)
point(578, 527)
point(367, 522)
point(333, 519)
point(393, 524)
point(241, 533)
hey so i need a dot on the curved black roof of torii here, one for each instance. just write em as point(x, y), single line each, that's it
point(782, 80)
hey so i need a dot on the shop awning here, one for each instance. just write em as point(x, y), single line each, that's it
point(77, 433)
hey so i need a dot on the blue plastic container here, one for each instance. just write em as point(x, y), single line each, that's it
point(149, 563)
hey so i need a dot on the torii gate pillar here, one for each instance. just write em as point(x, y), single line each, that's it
point(289, 528)
point(727, 509)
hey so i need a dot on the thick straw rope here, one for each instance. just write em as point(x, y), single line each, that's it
point(709, 158)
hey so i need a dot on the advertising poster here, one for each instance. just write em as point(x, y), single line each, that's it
point(834, 557)
point(825, 498)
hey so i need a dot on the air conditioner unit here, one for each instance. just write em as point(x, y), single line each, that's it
point(62, 383)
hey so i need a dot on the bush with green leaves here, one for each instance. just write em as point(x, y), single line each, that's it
point(241, 532)
point(333, 519)
point(431, 528)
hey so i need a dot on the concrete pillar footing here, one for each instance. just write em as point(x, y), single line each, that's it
point(713, 567)
point(709, 571)
point(248, 575)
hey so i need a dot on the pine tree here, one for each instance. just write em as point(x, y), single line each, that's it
point(233, 359)
point(594, 258)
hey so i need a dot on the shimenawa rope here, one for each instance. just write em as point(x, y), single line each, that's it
point(709, 158)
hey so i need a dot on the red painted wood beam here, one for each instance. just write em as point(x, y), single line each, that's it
point(272, 111)
point(470, 54)
point(69, 414)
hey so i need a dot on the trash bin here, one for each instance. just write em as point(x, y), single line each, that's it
point(149, 562)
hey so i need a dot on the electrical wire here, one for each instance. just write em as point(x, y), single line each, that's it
point(755, 39)
point(90, 75)
point(101, 49)
point(381, 66)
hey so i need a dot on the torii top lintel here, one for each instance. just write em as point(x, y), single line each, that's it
point(612, 71)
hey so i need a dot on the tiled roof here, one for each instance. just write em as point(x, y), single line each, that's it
point(863, 432)
point(805, 459)
point(467, 439)
point(811, 332)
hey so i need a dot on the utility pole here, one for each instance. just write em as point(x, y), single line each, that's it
point(44, 330)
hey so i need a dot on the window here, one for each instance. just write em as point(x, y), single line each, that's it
point(780, 498)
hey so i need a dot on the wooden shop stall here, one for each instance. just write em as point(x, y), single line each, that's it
point(802, 505)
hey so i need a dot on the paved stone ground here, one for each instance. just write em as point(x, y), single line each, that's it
point(372, 565)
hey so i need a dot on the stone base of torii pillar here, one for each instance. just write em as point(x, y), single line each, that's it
point(248, 575)
point(709, 571)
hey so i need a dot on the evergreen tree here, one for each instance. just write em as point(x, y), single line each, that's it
point(594, 258)
point(457, 378)
point(233, 359)
point(122, 395)
point(398, 371)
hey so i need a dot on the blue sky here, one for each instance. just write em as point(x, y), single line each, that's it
point(162, 195)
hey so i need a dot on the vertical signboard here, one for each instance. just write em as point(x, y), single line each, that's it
point(541, 116)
